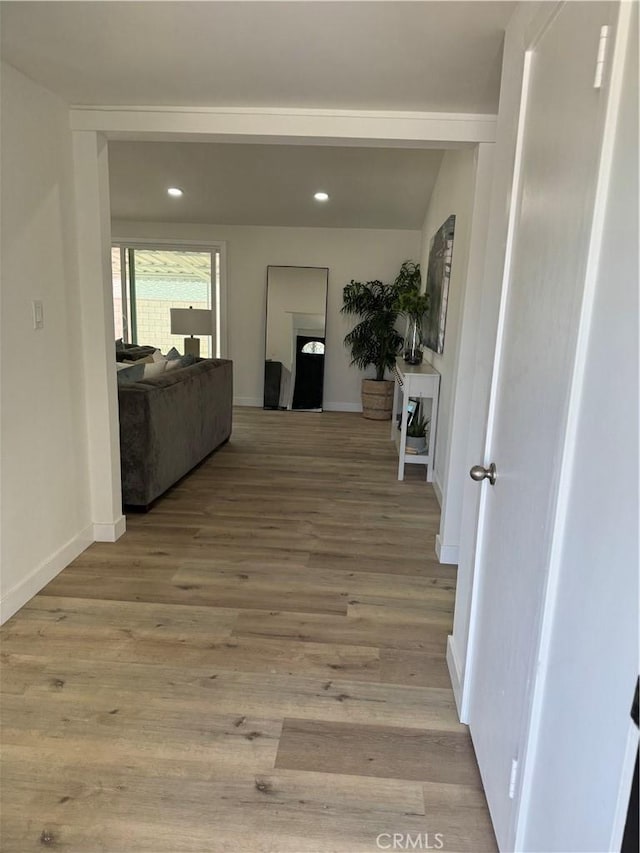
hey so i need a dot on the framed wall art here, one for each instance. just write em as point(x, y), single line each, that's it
point(438, 275)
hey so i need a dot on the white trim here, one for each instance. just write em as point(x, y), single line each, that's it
point(210, 246)
point(342, 407)
point(624, 789)
point(109, 532)
point(223, 320)
point(258, 402)
point(146, 242)
point(125, 296)
point(437, 488)
point(282, 125)
point(29, 586)
point(454, 673)
point(531, 728)
point(93, 227)
point(289, 112)
point(448, 555)
point(251, 402)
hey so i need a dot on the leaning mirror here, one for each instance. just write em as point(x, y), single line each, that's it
point(295, 337)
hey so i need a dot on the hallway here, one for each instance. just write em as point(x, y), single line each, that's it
point(258, 664)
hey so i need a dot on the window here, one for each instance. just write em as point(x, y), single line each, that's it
point(313, 348)
point(149, 281)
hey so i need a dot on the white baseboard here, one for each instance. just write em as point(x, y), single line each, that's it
point(109, 532)
point(447, 554)
point(342, 407)
point(454, 673)
point(437, 488)
point(23, 591)
point(257, 403)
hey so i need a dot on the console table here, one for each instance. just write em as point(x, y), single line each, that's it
point(422, 381)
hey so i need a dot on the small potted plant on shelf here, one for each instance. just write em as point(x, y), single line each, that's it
point(375, 339)
point(414, 305)
point(417, 434)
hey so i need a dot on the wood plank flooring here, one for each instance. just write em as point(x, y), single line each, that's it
point(257, 665)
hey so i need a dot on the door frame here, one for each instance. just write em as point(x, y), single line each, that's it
point(91, 130)
point(535, 693)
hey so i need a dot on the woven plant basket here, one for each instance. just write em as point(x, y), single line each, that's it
point(377, 399)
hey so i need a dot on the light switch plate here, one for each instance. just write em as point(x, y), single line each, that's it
point(38, 314)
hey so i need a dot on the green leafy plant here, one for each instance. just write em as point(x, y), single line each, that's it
point(375, 340)
point(418, 426)
point(408, 278)
point(413, 304)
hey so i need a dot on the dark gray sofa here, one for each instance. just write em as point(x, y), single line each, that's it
point(170, 423)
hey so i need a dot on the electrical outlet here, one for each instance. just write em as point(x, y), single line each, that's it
point(38, 314)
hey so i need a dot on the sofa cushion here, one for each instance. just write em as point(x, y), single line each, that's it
point(129, 372)
point(147, 359)
point(183, 361)
point(133, 352)
point(155, 368)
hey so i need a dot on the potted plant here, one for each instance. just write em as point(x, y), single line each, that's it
point(375, 339)
point(409, 278)
point(417, 433)
point(414, 305)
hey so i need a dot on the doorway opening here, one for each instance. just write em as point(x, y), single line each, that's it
point(309, 373)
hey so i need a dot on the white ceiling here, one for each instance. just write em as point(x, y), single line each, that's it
point(391, 55)
point(434, 56)
point(271, 184)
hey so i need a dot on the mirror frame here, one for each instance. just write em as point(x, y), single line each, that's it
point(266, 330)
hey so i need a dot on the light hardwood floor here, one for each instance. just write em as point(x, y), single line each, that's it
point(257, 665)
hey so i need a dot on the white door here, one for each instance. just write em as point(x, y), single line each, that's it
point(561, 141)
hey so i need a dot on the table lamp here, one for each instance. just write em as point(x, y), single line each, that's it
point(191, 321)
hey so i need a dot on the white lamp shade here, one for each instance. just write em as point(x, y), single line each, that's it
point(191, 321)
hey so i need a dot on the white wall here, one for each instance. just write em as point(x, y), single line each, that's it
point(453, 194)
point(361, 254)
point(45, 516)
point(593, 659)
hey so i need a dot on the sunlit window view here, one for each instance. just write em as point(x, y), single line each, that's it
point(147, 283)
point(313, 348)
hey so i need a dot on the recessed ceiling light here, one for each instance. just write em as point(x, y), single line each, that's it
point(321, 196)
point(176, 192)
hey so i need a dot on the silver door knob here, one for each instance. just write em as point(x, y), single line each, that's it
point(479, 473)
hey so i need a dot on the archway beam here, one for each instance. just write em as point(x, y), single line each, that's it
point(287, 126)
